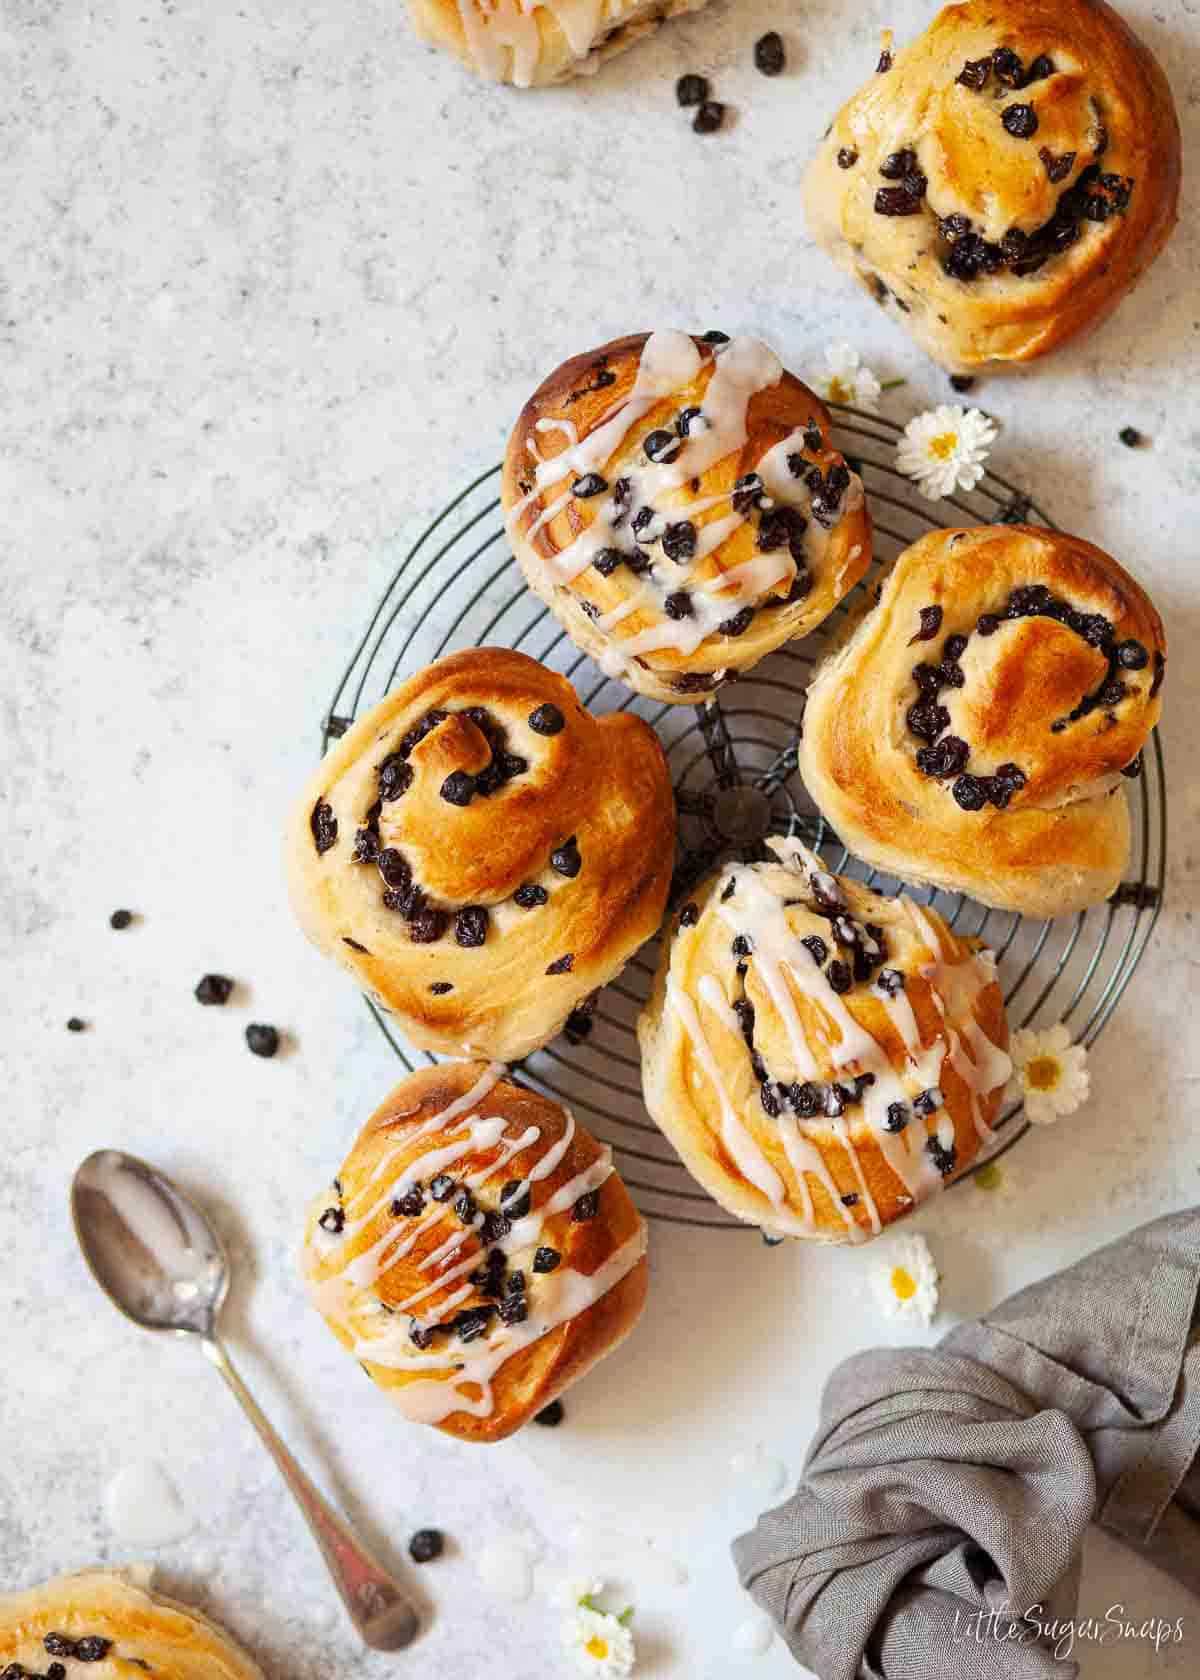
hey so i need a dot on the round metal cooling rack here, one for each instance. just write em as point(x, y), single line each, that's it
point(733, 761)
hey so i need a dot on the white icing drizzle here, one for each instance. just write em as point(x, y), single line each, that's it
point(558, 424)
point(783, 965)
point(735, 1135)
point(503, 35)
point(564, 1294)
point(558, 1296)
point(669, 363)
point(980, 1064)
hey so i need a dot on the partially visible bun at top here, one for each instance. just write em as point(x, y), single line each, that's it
point(542, 42)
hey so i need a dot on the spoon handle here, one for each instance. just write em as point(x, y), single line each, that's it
point(382, 1614)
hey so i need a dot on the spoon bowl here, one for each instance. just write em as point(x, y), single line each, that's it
point(161, 1263)
point(150, 1249)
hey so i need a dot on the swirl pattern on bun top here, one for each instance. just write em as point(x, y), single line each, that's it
point(110, 1625)
point(482, 853)
point(1005, 180)
point(543, 41)
point(678, 505)
point(974, 731)
point(477, 1253)
point(821, 1057)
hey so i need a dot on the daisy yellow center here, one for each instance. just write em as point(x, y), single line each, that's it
point(597, 1647)
point(1043, 1073)
point(904, 1285)
point(943, 446)
point(839, 391)
point(989, 1177)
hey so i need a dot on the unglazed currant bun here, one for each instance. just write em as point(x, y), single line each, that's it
point(975, 730)
point(476, 1253)
point(110, 1625)
point(482, 853)
point(1000, 184)
point(822, 1058)
point(677, 504)
point(547, 41)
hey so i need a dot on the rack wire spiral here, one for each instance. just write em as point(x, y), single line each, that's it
point(733, 763)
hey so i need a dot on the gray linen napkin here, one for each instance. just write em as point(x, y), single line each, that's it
point(947, 1487)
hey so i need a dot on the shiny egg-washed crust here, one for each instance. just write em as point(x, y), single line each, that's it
point(603, 780)
point(573, 393)
point(1105, 79)
point(535, 49)
point(681, 1097)
point(538, 1373)
point(149, 1633)
point(1063, 841)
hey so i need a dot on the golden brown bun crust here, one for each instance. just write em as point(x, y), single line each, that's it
point(602, 780)
point(505, 43)
point(585, 391)
point(1062, 842)
point(684, 1095)
point(537, 1373)
point(1106, 105)
point(147, 1632)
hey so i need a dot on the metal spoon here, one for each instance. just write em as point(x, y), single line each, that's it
point(158, 1260)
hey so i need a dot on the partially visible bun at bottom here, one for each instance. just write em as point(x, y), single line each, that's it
point(111, 1621)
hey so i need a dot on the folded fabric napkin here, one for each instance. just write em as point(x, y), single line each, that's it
point(947, 1492)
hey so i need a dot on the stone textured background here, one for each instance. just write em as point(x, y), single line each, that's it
point(274, 279)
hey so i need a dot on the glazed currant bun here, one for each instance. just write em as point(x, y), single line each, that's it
point(677, 504)
point(1000, 184)
point(109, 1625)
point(974, 730)
point(477, 1252)
point(482, 854)
point(822, 1058)
point(529, 46)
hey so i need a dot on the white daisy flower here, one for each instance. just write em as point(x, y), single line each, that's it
point(905, 1280)
point(575, 1590)
point(1051, 1073)
point(601, 1645)
point(944, 449)
point(846, 380)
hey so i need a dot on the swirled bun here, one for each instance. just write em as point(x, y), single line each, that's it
point(1002, 185)
point(678, 506)
point(482, 854)
point(533, 45)
point(821, 1058)
point(477, 1252)
point(121, 1629)
point(974, 730)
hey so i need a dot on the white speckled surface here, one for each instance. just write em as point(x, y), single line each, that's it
point(273, 280)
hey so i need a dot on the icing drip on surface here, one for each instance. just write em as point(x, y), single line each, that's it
point(143, 1506)
point(380, 1334)
point(506, 1568)
point(755, 912)
point(656, 491)
point(754, 1636)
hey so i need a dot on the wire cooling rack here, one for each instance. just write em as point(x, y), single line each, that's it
point(733, 764)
